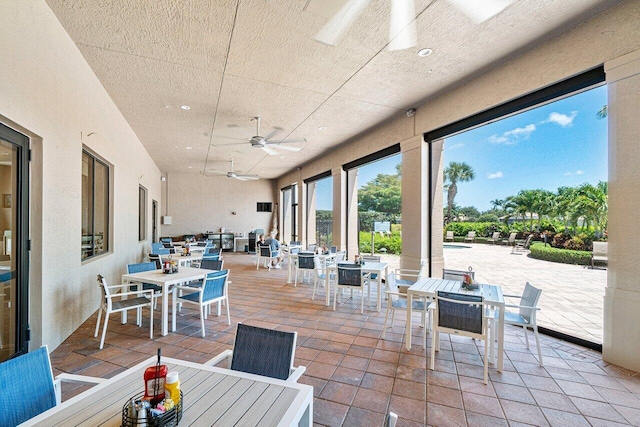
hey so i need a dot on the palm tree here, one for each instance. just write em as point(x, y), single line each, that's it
point(592, 205)
point(496, 203)
point(454, 173)
point(603, 112)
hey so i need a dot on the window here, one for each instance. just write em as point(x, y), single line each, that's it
point(264, 207)
point(95, 206)
point(142, 213)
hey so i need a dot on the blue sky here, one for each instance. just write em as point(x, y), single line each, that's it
point(559, 144)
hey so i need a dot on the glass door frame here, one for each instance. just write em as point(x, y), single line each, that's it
point(20, 236)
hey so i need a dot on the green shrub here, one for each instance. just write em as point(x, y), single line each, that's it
point(482, 229)
point(564, 256)
point(392, 243)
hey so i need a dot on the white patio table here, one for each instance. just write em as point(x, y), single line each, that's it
point(167, 281)
point(211, 396)
point(429, 287)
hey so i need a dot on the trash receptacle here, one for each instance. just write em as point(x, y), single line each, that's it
point(246, 248)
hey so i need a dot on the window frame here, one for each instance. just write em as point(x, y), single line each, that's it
point(92, 251)
point(142, 213)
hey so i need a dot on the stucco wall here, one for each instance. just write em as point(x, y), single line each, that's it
point(198, 203)
point(49, 93)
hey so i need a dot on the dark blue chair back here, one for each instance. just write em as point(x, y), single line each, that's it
point(265, 352)
point(211, 257)
point(306, 261)
point(28, 388)
point(212, 264)
point(350, 275)
point(463, 317)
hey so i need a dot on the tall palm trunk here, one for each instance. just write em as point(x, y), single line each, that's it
point(451, 195)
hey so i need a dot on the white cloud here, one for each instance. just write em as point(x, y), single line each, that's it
point(578, 172)
point(513, 136)
point(495, 175)
point(562, 119)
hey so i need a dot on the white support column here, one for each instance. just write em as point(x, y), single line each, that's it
point(415, 192)
point(621, 334)
point(339, 224)
point(351, 192)
point(311, 210)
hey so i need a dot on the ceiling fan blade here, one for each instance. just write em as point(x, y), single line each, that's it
point(247, 177)
point(285, 147)
point(402, 27)
point(269, 151)
point(333, 31)
point(480, 10)
point(286, 141)
point(272, 133)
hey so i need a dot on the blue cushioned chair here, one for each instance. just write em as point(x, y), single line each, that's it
point(29, 388)
point(398, 301)
point(349, 276)
point(213, 290)
point(139, 268)
point(265, 352)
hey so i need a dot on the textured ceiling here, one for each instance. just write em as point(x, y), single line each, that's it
point(231, 60)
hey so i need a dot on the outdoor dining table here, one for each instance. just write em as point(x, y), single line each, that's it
point(428, 287)
point(186, 260)
point(211, 396)
point(368, 267)
point(291, 258)
point(166, 281)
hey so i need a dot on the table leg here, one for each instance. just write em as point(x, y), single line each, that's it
point(165, 310)
point(386, 272)
point(407, 331)
point(289, 270)
point(327, 286)
point(501, 338)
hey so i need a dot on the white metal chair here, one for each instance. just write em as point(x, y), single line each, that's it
point(522, 245)
point(305, 264)
point(471, 237)
point(462, 315)
point(398, 301)
point(495, 237)
point(29, 387)
point(213, 290)
point(322, 276)
point(112, 302)
point(349, 276)
point(265, 352)
point(526, 315)
point(266, 256)
point(511, 240)
point(449, 236)
point(406, 277)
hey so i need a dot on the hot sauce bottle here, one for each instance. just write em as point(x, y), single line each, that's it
point(154, 381)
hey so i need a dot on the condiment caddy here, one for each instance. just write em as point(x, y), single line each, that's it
point(161, 402)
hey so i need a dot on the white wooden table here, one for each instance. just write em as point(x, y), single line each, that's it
point(185, 261)
point(428, 287)
point(167, 281)
point(211, 396)
point(377, 268)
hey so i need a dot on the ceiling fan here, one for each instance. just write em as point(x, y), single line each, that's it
point(240, 177)
point(402, 25)
point(266, 143)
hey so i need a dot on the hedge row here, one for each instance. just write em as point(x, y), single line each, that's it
point(565, 256)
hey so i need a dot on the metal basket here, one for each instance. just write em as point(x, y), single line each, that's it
point(170, 418)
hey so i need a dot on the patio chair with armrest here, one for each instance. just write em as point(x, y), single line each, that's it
point(406, 277)
point(267, 256)
point(511, 240)
point(213, 290)
point(349, 276)
point(112, 302)
point(398, 301)
point(305, 264)
point(526, 315)
point(449, 237)
point(495, 238)
point(156, 247)
point(262, 351)
point(471, 237)
point(145, 266)
point(461, 315)
point(522, 245)
point(29, 387)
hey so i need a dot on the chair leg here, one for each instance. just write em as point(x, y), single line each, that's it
point(362, 303)
point(335, 297)
point(151, 321)
point(202, 312)
point(535, 332)
point(386, 317)
point(98, 321)
point(393, 315)
point(526, 334)
point(315, 284)
point(104, 329)
point(228, 314)
point(486, 361)
point(432, 362)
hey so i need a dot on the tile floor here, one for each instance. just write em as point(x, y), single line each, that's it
point(358, 377)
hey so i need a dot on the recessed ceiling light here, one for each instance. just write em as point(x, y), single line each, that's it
point(322, 127)
point(190, 167)
point(189, 148)
point(167, 106)
point(185, 107)
point(282, 157)
point(425, 52)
